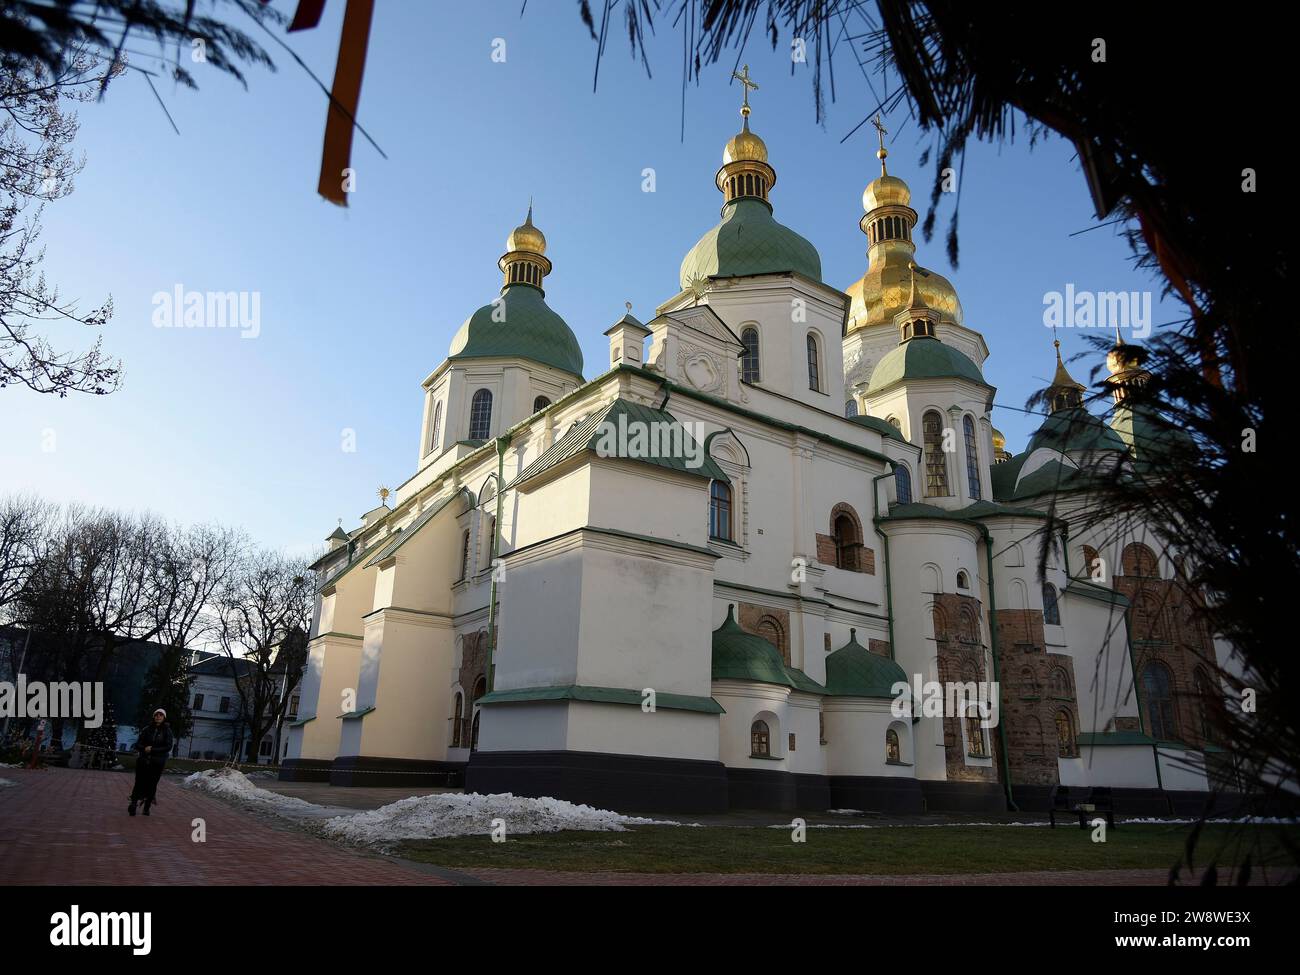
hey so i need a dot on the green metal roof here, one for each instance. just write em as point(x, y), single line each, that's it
point(975, 510)
point(880, 426)
point(854, 671)
point(603, 695)
point(526, 329)
point(1095, 738)
point(738, 655)
point(1090, 590)
point(401, 537)
point(749, 241)
point(1075, 430)
point(923, 357)
point(588, 435)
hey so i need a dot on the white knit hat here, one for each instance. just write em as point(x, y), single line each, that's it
point(162, 712)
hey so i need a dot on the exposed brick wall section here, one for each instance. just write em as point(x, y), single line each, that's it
point(473, 663)
point(825, 549)
point(862, 558)
point(1029, 705)
point(750, 616)
point(961, 658)
point(880, 647)
point(1166, 625)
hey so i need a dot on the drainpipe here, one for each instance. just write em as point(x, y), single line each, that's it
point(875, 520)
point(503, 442)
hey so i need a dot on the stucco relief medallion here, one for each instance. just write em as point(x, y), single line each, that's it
point(701, 370)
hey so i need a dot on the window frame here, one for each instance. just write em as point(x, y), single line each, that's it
point(480, 414)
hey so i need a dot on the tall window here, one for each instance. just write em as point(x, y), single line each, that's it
point(437, 425)
point(464, 555)
point(491, 541)
point(720, 511)
point(847, 542)
point(458, 708)
point(850, 408)
point(1051, 609)
point(936, 466)
point(749, 371)
point(975, 738)
point(540, 404)
point(814, 375)
point(1158, 687)
point(903, 484)
point(972, 459)
point(760, 740)
point(1065, 735)
point(480, 415)
point(480, 688)
point(893, 753)
point(1204, 703)
point(1059, 682)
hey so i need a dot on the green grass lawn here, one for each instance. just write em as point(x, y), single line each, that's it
point(893, 850)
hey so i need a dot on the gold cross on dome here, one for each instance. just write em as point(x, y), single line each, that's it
point(743, 78)
point(881, 131)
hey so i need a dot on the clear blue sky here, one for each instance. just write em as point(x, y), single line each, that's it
point(359, 305)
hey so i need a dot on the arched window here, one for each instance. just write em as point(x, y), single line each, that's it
point(1059, 682)
point(491, 541)
point(972, 459)
point(437, 425)
point(1066, 747)
point(771, 631)
point(720, 511)
point(963, 579)
point(903, 484)
point(848, 540)
point(473, 732)
point(464, 555)
point(1090, 560)
point(1051, 611)
point(975, 740)
point(814, 373)
point(480, 415)
point(457, 712)
point(1139, 560)
point(1158, 687)
point(936, 466)
point(540, 404)
point(894, 422)
point(760, 740)
point(749, 370)
point(850, 408)
point(893, 752)
point(480, 688)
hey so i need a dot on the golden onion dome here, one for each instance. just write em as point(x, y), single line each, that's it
point(886, 289)
point(885, 191)
point(526, 237)
point(999, 439)
point(745, 146)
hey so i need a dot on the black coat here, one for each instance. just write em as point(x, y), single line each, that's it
point(159, 740)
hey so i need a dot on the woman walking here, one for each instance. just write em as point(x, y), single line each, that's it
point(154, 744)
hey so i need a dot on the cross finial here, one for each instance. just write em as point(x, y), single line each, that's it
point(743, 77)
point(882, 152)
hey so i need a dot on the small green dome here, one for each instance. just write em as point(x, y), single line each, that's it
point(519, 325)
point(923, 357)
point(1075, 429)
point(749, 241)
point(854, 671)
point(738, 655)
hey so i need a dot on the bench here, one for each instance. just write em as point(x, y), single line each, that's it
point(1099, 798)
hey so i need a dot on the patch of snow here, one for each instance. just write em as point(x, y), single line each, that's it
point(846, 812)
point(452, 814)
point(5, 782)
point(233, 784)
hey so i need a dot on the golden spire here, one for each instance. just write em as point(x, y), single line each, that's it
point(882, 152)
point(1064, 393)
point(745, 171)
point(524, 261)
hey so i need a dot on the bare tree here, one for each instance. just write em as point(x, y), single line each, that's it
point(37, 166)
point(261, 612)
point(23, 520)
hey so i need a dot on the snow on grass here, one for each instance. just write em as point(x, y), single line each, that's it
point(5, 782)
point(452, 814)
point(232, 784)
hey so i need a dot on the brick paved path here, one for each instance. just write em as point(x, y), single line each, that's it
point(65, 826)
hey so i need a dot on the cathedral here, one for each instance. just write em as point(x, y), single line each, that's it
point(721, 573)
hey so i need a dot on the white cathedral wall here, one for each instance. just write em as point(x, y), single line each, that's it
point(1116, 766)
point(855, 738)
point(746, 702)
point(333, 663)
point(611, 729)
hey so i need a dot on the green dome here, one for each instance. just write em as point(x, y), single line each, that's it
point(923, 357)
point(738, 655)
point(1074, 430)
point(528, 330)
point(854, 671)
point(749, 241)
